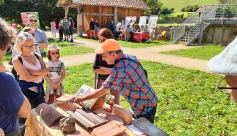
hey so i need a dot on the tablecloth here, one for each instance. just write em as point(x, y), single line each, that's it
point(35, 125)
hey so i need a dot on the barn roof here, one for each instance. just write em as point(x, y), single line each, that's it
point(135, 4)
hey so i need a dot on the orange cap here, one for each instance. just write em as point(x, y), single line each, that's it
point(108, 45)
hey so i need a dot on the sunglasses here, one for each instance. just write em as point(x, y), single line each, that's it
point(53, 53)
point(31, 46)
point(33, 20)
point(220, 87)
point(9, 48)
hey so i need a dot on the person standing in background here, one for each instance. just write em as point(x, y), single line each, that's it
point(53, 28)
point(71, 29)
point(65, 28)
point(60, 27)
point(40, 36)
point(92, 28)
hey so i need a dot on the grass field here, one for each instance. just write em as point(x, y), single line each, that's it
point(189, 102)
point(204, 52)
point(131, 44)
point(179, 4)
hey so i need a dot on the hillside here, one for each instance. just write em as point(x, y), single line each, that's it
point(179, 4)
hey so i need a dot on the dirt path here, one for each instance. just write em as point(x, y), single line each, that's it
point(146, 53)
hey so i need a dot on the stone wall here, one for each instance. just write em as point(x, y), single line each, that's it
point(168, 29)
point(219, 34)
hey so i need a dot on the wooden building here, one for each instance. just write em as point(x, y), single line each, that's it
point(102, 10)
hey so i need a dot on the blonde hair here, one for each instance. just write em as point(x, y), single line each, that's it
point(26, 29)
point(21, 38)
point(49, 56)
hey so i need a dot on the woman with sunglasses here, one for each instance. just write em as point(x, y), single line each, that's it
point(31, 70)
point(29, 30)
point(101, 67)
point(13, 102)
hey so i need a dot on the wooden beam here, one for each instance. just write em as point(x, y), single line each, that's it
point(96, 14)
point(78, 10)
point(115, 15)
point(66, 11)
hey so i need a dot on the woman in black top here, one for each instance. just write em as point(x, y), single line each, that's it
point(101, 67)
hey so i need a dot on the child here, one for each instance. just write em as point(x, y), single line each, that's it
point(152, 34)
point(56, 74)
point(127, 30)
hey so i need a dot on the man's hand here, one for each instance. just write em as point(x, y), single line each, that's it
point(78, 99)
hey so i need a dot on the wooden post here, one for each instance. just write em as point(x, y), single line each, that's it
point(100, 17)
point(66, 11)
point(115, 14)
point(79, 22)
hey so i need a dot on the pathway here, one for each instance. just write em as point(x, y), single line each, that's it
point(146, 53)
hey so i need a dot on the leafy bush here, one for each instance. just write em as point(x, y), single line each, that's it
point(190, 8)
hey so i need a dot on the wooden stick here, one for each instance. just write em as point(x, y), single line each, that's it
point(91, 124)
point(92, 112)
point(90, 115)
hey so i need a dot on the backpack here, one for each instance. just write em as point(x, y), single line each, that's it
point(13, 71)
point(145, 72)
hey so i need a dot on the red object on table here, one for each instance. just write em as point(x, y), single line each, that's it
point(137, 36)
point(88, 34)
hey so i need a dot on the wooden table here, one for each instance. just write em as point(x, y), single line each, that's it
point(36, 125)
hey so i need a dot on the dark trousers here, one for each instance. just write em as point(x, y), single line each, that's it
point(131, 36)
point(33, 99)
point(149, 116)
point(61, 34)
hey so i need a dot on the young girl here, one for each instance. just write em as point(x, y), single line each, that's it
point(56, 74)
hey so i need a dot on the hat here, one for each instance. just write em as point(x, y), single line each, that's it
point(225, 62)
point(108, 45)
point(15, 26)
point(53, 46)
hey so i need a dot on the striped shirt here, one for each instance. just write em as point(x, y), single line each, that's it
point(128, 77)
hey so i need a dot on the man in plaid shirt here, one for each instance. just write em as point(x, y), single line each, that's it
point(129, 78)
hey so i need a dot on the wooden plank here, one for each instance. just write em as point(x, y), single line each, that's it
point(96, 14)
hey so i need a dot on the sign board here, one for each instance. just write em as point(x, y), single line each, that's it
point(128, 18)
point(24, 18)
point(152, 22)
point(142, 20)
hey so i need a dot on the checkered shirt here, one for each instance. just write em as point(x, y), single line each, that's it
point(128, 77)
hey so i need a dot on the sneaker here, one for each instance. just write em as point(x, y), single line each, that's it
point(65, 40)
point(71, 41)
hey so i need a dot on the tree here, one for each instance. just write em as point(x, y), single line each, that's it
point(46, 8)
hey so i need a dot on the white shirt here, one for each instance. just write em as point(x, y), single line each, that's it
point(55, 69)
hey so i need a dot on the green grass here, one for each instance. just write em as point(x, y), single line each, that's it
point(69, 49)
point(132, 44)
point(204, 52)
point(179, 4)
point(189, 102)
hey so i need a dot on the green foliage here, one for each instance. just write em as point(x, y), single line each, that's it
point(204, 52)
point(227, 1)
point(189, 101)
point(132, 44)
point(46, 8)
point(179, 4)
point(190, 8)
